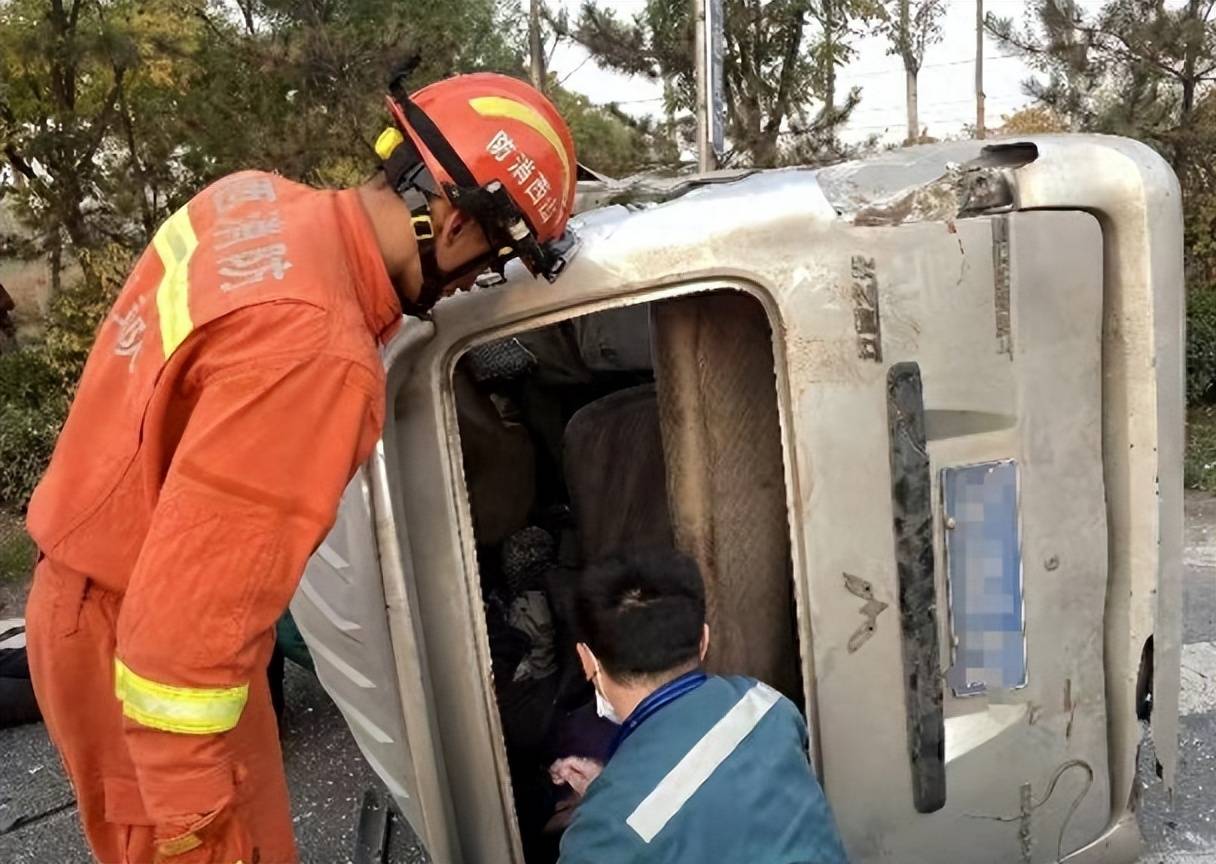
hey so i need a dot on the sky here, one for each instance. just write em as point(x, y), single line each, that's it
point(947, 81)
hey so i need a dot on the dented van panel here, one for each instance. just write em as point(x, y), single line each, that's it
point(1035, 289)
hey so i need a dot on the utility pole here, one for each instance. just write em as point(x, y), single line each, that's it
point(705, 151)
point(536, 48)
point(979, 70)
point(709, 17)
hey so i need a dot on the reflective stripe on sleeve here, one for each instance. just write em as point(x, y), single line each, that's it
point(187, 710)
point(175, 242)
point(660, 806)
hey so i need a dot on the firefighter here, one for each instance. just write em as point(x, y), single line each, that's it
point(227, 401)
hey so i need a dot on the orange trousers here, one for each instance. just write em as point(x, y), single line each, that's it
point(70, 633)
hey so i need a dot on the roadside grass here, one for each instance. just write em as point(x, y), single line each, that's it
point(1199, 467)
point(16, 550)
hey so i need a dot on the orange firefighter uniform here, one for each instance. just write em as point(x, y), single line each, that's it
point(228, 399)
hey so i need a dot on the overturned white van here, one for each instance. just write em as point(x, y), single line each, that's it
point(919, 418)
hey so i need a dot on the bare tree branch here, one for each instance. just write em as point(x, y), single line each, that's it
point(793, 45)
point(103, 121)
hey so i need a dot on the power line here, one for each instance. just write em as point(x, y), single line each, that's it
point(575, 70)
point(863, 108)
point(871, 109)
point(845, 73)
point(636, 101)
point(924, 122)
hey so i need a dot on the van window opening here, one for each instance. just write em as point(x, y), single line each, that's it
point(648, 425)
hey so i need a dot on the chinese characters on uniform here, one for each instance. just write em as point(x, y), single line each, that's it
point(247, 264)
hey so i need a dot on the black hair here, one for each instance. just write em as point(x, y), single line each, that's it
point(642, 614)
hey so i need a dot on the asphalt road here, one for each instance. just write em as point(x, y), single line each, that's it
point(1183, 831)
point(327, 775)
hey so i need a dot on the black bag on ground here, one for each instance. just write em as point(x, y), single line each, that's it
point(17, 703)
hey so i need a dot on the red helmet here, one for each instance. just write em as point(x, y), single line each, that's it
point(500, 152)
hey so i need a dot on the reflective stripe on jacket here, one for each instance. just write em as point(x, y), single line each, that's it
point(720, 774)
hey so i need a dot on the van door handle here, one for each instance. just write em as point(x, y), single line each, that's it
point(912, 506)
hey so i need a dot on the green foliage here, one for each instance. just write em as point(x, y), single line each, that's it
point(1200, 235)
point(304, 81)
point(1139, 68)
point(1129, 67)
point(27, 439)
point(606, 140)
point(114, 112)
point(33, 405)
point(1199, 465)
point(37, 381)
point(36, 384)
point(911, 26)
point(1201, 346)
point(88, 118)
point(17, 550)
point(1199, 201)
point(34, 398)
point(78, 310)
point(779, 70)
point(26, 377)
point(1199, 468)
point(1037, 119)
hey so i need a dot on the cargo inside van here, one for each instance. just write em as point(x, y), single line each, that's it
point(646, 426)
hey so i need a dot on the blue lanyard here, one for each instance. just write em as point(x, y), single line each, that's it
point(659, 699)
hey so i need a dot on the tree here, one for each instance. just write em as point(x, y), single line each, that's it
point(1199, 197)
point(1032, 120)
point(313, 74)
point(1140, 68)
point(776, 71)
point(911, 26)
point(840, 24)
point(1133, 67)
point(536, 50)
point(609, 141)
point(78, 82)
point(113, 112)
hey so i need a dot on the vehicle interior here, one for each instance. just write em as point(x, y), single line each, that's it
point(649, 425)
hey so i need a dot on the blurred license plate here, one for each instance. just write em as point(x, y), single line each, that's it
point(984, 578)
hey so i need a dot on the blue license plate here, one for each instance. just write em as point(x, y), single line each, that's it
point(984, 578)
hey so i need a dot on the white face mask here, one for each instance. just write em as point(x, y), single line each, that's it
point(602, 706)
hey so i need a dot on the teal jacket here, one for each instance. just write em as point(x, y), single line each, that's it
point(719, 773)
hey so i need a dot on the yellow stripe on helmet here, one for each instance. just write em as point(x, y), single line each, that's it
point(500, 106)
point(185, 710)
point(175, 242)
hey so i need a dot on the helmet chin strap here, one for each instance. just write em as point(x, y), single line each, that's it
point(407, 174)
point(434, 278)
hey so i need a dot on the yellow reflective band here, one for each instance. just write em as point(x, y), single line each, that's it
point(498, 106)
point(179, 845)
point(388, 141)
point(175, 243)
point(188, 710)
